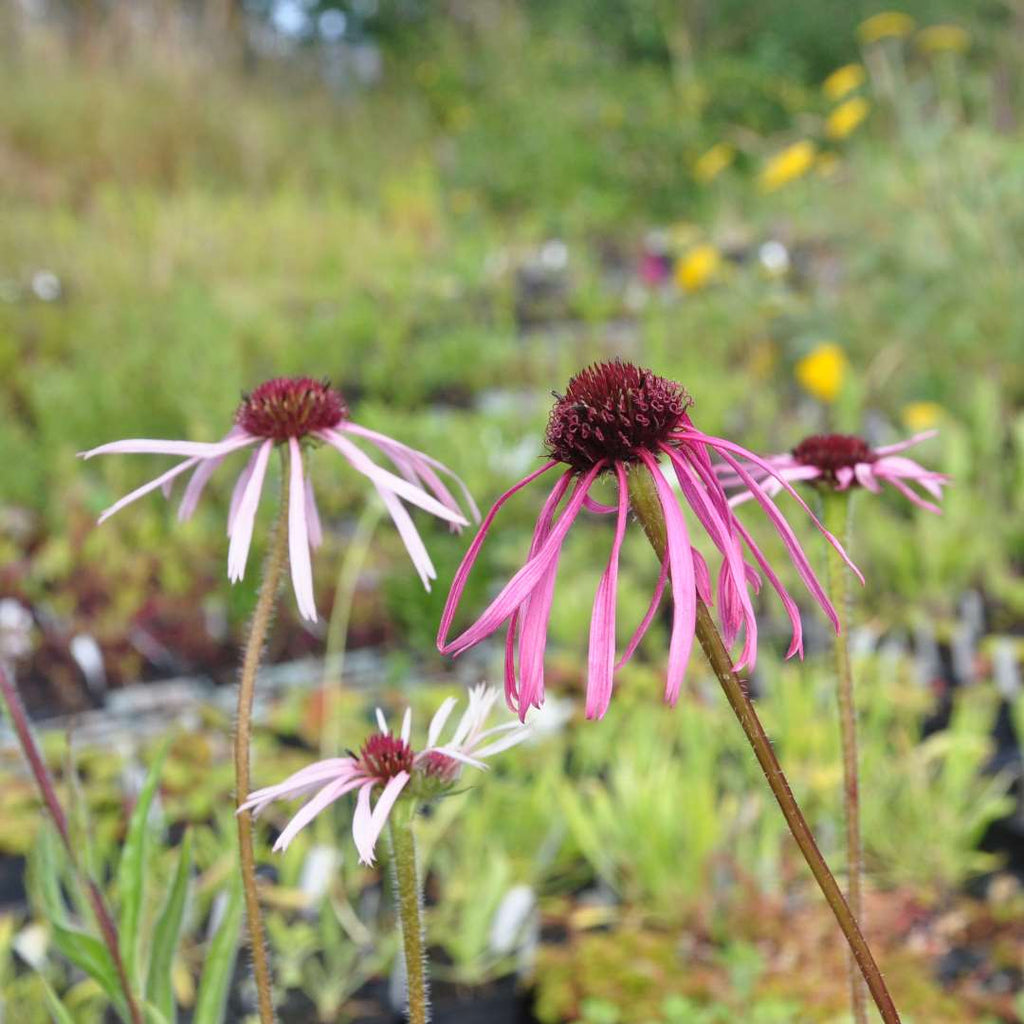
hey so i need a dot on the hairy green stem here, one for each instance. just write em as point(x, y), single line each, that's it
point(644, 501)
point(261, 620)
point(837, 510)
point(48, 792)
point(407, 891)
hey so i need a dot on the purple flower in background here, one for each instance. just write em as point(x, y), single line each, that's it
point(297, 411)
point(389, 762)
point(842, 461)
point(615, 418)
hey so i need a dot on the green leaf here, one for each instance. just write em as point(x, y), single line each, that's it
point(58, 1011)
point(220, 963)
point(131, 872)
point(153, 1015)
point(159, 991)
point(90, 955)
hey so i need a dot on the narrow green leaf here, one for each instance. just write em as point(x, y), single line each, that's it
point(90, 955)
point(153, 1015)
point(58, 1011)
point(131, 871)
point(220, 964)
point(159, 991)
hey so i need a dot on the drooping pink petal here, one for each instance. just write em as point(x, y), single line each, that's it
point(536, 608)
point(726, 449)
point(371, 827)
point(298, 536)
point(314, 528)
point(462, 574)
point(195, 486)
point(891, 449)
point(299, 782)
point(702, 577)
point(526, 579)
point(912, 496)
point(796, 552)
point(160, 481)
point(245, 518)
point(844, 477)
point(864, 473)
point(331, 792)
point(796, 645)
point(601, 655)
point(385, 442)
point(511, 682)
point(239, 489)
point(187, 449)
point(410, 536)
point(684, 591)
point(705, 496)
point(771, 484)
point(361, 462)
point(896, 465)
point(645, 622)
point(596, 506)
point(441, 716)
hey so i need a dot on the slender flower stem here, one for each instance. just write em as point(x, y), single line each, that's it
point(261, 619)
point(644, 501)
point(48, 792)
point(837, 520)
point(407, 890)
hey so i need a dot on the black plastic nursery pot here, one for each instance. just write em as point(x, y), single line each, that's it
point(499, 1002)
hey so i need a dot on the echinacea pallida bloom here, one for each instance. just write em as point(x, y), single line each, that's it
point(297, 412)
point(842, 461)
point(388, 762)
point(616, 418)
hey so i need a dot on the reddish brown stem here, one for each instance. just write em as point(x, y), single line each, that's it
point(48, 792)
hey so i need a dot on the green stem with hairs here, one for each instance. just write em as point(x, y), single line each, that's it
point(407, 892)
point(837, 511)
point(646, 506)
point(251, 658)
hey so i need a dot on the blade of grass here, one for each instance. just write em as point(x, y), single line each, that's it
point(220, 964)
point(159, 991)
point(131, 872)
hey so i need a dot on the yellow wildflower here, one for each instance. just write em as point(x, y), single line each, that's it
point(843, 81)
point(822, 371)
point(792, 163)
point(698, 267)
point(711, 164)
point(938, 38)
point(918, 416)
point(887, 24)
point(847, 117)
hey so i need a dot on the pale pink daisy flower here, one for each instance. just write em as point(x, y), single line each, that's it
point(298, 412)
point(389, 762)
point(616, 417)
point(841, 461)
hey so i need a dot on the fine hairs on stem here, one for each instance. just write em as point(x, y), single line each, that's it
point(48, 792)
point(837, 513)
point(254, 647)
point(647, 508)
point(410, 913)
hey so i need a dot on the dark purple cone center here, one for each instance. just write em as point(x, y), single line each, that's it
point(614, 411)
point(288, 407)
point(832, 452)
point(384, 756)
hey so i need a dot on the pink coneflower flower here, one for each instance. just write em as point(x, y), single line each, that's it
point(841, 461)
point(297, 412)
point(389, 762)
point(614, 418)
